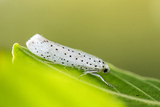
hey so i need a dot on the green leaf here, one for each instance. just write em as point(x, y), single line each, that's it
point(32, 81)
point(134, 90)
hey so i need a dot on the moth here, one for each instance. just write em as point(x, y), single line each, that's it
point(67, 56)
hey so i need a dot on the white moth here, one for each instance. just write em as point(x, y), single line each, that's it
point(67, 56)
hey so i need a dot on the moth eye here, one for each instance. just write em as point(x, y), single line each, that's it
point(106, 70)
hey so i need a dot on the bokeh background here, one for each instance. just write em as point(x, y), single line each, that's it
point(125, 33)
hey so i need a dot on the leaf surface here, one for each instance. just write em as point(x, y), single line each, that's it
point(53, 84)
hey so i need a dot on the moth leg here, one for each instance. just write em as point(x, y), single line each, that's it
point(87, 72)
point(97, 75)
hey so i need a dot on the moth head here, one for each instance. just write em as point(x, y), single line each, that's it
point(106, 70)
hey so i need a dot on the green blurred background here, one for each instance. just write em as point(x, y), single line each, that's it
point(125, 33)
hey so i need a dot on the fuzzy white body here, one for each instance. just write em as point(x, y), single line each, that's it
point(64, 55)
